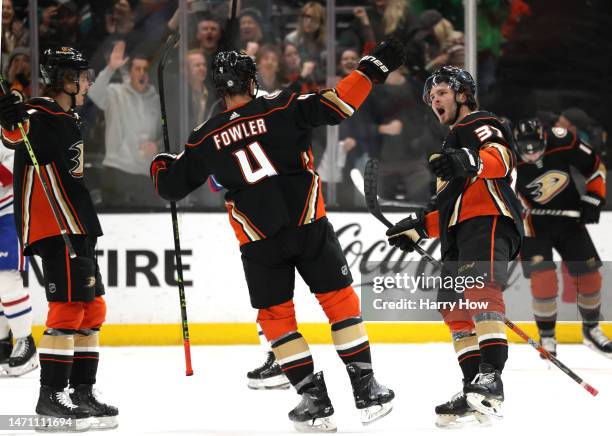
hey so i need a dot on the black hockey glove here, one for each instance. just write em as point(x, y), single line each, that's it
point(451, 163)
point(590, 208)
point(161, 162)
point(386, 57)
point(408, 232)
point(12, 110)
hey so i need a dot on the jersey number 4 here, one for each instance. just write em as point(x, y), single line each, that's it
point(263, 167)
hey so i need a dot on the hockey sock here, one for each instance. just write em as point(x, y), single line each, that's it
point(18, 312)
point(544, 289)
point(293, 356)
point(55, 351)
point(468, 353)
point(351, 341)
point(492, 339)
point(86, 357)
point(589, 297)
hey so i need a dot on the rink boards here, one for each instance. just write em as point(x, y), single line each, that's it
point(137, 265)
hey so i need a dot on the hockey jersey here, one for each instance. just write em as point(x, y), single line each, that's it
point(57, 143)
point(6, 181)
point(261, 153)
point(489, 193)
point(548, 183)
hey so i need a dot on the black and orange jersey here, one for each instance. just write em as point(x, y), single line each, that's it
point(490, 192)
point(548, 183)
point(56, 139)
point(261, 153)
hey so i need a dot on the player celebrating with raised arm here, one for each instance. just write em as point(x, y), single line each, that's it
point(259, 149)
point(68, 349)
point(545, 182)
point(479, 225)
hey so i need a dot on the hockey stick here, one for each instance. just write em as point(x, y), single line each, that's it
point(172, 40)
point(553, 212)
point(370, 188)
point(357, 180)
point(43, 182)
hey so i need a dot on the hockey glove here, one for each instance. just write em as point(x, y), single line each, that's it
point(12, 110)
point(161, 162)
point(455, 162)
point(386, 57)
point(408, 232)
point(590, 208)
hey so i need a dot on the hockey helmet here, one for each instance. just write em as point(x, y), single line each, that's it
point(56, 62)
point(233, 72)
point(459, 80)
point(529, 139)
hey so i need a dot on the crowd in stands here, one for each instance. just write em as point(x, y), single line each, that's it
point(287, 39)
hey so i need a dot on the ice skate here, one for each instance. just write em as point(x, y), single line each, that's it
point(23, 359)
point(6, 348)
point(596, 340)
point(268, 376)
point(486, 392)
point(372, 398)
point(549, 343)
point(56, 403)
point(456, 413)
point(314, 411)
point(86, 398)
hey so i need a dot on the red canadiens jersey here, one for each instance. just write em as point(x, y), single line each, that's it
point(57, 143)
point(261, 153)
point(491, 192)
point(548, 183)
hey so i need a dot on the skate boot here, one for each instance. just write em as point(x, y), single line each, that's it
point(6, 348)
point(596, 339)
point(457, 412)
point(268, 376)
point(86, 398)
point(314, 411)
point(549, 343)
point(23, 358)
point(56, 403)
point(486, 392)
point(372, 398)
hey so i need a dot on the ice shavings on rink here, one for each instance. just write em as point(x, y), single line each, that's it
point(155, 398)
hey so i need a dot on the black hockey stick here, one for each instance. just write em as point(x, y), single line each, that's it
point(170, 43)
point(357, 179)
point(43, 182)
point(371, 189)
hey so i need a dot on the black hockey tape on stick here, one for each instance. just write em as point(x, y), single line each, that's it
point(169, 45)
point(553, 212)
point(370, 188)
point(43, 182)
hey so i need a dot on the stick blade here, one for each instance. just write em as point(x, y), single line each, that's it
point(370, 184)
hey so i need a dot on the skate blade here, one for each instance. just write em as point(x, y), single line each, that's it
point(30, 365)
point(593, 347)
point(486, 406)
point(458, 421)
point(276, 382)
point(376, 412)
point(317, 425)
point(75, 426)
point(102, 423)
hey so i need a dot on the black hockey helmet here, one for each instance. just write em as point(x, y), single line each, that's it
point(459, 80)
point(232, 73)
point(61, 64)
point(529, 139)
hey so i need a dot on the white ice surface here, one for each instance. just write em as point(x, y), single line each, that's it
point(154, 396)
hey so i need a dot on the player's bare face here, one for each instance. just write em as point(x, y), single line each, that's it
point(443, 103)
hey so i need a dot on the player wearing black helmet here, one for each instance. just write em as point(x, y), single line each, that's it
point(259, 149)
point(545, 182)
point(68, 349)
point(478, 221)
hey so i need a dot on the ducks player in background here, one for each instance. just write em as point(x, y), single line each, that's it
point(545, 182)
point(15, 304)
point(260, 150)
point(68, 349)
point(478, 222)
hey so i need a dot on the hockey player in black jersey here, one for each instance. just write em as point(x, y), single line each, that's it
point(259, 150)
point(477, 219)
point(545, 182)
point(68, 349)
